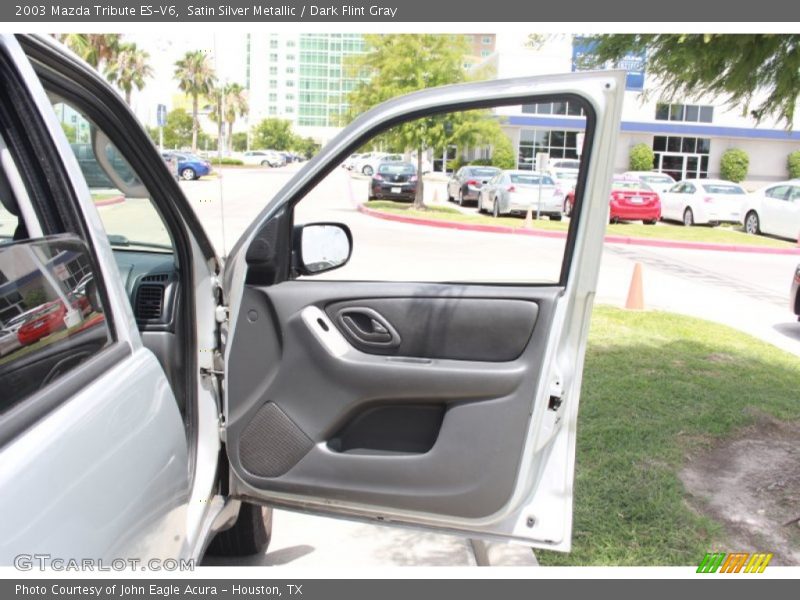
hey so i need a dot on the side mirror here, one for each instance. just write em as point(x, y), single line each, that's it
point(320, 247)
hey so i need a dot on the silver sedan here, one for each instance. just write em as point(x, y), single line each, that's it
point(519, 191)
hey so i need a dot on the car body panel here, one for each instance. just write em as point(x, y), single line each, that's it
point(777, 207)
point(466, 183)
point(706, 205)
point(450, 487)
point(394, 181)
point(794, 293)
point(515, 195)
point(632, 200)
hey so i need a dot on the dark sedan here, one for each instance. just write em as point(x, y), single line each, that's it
point(794, 296)
point(466, 183)
point(394, 180)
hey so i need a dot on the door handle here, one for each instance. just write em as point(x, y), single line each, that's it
point(366, 326)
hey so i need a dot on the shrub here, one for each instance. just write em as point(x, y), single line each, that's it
point(794, 164)
point(226, 161)
point(733, 165)
point(641, 158)
point(503, 153)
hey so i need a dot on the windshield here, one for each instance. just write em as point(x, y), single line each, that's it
point(486, 172)
point(722, 188)
point(629, 185)
point(569, 175)
point(397, 169)
point(526, 179)
point(656, 179)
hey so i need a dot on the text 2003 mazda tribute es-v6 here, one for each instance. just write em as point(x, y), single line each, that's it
point(171, 402)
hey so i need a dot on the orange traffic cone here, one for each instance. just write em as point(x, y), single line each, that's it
point(635, 299)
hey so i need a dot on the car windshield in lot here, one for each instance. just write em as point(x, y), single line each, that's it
point(397, 169)
point(656, 179)
point(721, 188)
point(572, 175)
point(485, 172)
point(629, 185)
point(525, 179)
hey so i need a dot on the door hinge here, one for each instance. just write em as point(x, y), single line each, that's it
point(556, 393)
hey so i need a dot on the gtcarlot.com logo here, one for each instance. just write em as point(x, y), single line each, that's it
point(30, 562)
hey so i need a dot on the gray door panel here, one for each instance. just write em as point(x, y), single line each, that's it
point(423, 429)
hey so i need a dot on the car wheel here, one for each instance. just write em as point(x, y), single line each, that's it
point(496, 209)
point(650, 222)
point(752, 224)
point(480, 204)
point(688, 217)
point(449, 195)
point(367, 170)
point(568, 207)
point(265, 163)
point(461, 197)
point(188, 174)
point(250, 534)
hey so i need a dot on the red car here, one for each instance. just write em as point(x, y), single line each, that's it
point(631, 200)
point(48, 319)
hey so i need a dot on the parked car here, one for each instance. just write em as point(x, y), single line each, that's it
point(190, 166)
point(703, 202)
point(370, 165)
point(350, 161)
point(774, 210)
point(358, 164)
point(658, 182)
point(265, 158)
point(511, 192)
point(466, 183)
point(45, 320)
point(633, 200)
point(564, 172)
point(209, 392)
point(394, 180)
point(794, 293)
point(9, 341)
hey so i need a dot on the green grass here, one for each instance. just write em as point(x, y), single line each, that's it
point(674, 232)
point(100, 196)
point(658, 388)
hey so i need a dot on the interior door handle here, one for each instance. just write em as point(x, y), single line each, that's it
point(366, 326)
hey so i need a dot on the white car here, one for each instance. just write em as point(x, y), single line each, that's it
point(350, 162)
point(658, 182)
point(195, 394)
point(774, 210)
point(519, 191)
point(703, 202)
point(564, 172)
point(265, 158)
point(368, 166)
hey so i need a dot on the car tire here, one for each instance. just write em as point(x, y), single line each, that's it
point(367, 170)
point(567, 208)
point(480, 205)
point(266, 163)
point(250, 534)
point(188, 174)
point(449, 195)
point(555, 217)
point(461, 197)
point(496, 209)
point(752, 224)
point(650, 222)
point(688, 217)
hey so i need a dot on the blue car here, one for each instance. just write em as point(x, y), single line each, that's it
point(189, 167)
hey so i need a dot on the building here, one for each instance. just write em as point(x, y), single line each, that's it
point(688, 135)
point(303, 77)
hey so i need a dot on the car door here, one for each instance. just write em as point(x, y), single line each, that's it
point(668, 201)
point(773, 201)
point(446, 404)
point(793, 213)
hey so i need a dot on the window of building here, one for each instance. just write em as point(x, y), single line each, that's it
point(485, 53)
point(273, 97)
point(290, 44)
point(681, 157)
point(689, 113)
point(289, 70)
point(290, 57)
point(290, 83)
point(273, 44)
point(554, 143)
point(273, 70)
point(486, 40)
point(273, 57)
point(273, 110)
point(553, 108)
point(290, 97)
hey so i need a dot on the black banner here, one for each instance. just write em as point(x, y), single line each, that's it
point(395, 11)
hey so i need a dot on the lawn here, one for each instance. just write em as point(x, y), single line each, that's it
point(675, 232)
point(657, 389)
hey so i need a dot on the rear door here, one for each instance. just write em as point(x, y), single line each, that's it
point(420, 384)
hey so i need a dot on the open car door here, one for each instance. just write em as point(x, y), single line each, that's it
point(448, 404)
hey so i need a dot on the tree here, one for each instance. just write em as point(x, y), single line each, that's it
point(793, 164)
point(97, 49)
point(196, 78)
point(236, 106)
point(641, 158)
point(128, 69)
point(760, 72)
point(239, 142)
point(178, 129)
point(400, 63)
point(274, 134)
point(734, 164)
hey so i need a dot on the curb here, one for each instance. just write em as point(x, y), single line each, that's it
point(609, 239)
point(109, 201)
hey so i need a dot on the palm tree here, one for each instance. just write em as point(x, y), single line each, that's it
point(196, 78)
point(129, 68)
point(95, 48)
point(235, 107)
point(215, 108)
